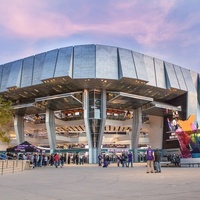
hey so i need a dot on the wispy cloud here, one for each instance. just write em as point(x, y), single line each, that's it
point(166, 28)
point(35, 20)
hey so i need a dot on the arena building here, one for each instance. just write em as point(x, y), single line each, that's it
point(97, 96)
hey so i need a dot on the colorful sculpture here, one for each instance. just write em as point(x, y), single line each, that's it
point(188, 137)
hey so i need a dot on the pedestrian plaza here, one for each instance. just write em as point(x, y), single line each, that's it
point(91, 182)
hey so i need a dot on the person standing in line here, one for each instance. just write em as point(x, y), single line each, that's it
point(35, 161)
point(118, 160)
point(45, 160)
point(24, 157)
point(157, 154)
point(130, 159)
point(52, 160)
point(100, 159)
point(81, 159)
point(150, 160)
point(56, 160)
point(77, 158)
point(62, 160)
point(39, 159)
point(68, 159)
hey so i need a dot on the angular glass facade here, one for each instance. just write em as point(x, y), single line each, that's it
point(56, 80)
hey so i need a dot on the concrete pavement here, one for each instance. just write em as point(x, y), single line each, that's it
point(96, 183)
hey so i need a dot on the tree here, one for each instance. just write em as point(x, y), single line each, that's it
point(6, 119)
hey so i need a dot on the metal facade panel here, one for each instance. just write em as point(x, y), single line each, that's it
point(126, 64)
point(180, 78)
point(27, 72)
point(188, 80)
point(64, 62)
point(106, 62)
point(5, 76)
point(149, 63)
point(194, 76)
point(140, 66)
point(160, 73)
point(14, 78)
point(38, 68)
point(172, 81)
point(49, 64)
point(84, 61)
point(192, 102)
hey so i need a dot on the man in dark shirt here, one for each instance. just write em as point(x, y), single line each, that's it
point(157, 155)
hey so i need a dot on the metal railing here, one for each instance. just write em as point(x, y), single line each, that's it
point(12, 166)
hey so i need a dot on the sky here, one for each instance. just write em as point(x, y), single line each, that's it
point(165, 29)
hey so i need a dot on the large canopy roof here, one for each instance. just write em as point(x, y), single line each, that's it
point(56, 78)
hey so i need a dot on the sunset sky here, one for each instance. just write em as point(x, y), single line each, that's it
point(165, 29)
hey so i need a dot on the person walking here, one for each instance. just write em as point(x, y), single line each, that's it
point(157, 154)
point(150, 160)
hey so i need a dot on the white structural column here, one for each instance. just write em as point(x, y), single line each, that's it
point(94, 119)
point(136, 126)
point(50, 125)
point(86, 121)
point(103, 120)
point(19, 128)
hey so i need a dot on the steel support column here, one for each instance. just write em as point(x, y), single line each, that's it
point(103, 120)
point(86, 121)
point(94, 105)
point(50, 125)
point(19, 128)
point(136, 126)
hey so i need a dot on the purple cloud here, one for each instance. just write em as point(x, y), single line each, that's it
point(166, 28)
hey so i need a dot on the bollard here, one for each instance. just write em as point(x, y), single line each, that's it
point(22, 165)
point(13, 166)
point(2, 168)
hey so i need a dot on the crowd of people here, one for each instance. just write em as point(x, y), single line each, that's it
point(43, 159)
point(57, 159)
point(174, 158)
point(124, 159)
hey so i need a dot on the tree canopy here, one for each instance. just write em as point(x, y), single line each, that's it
point(6, 118)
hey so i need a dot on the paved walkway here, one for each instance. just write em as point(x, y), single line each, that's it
point(96, 183)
